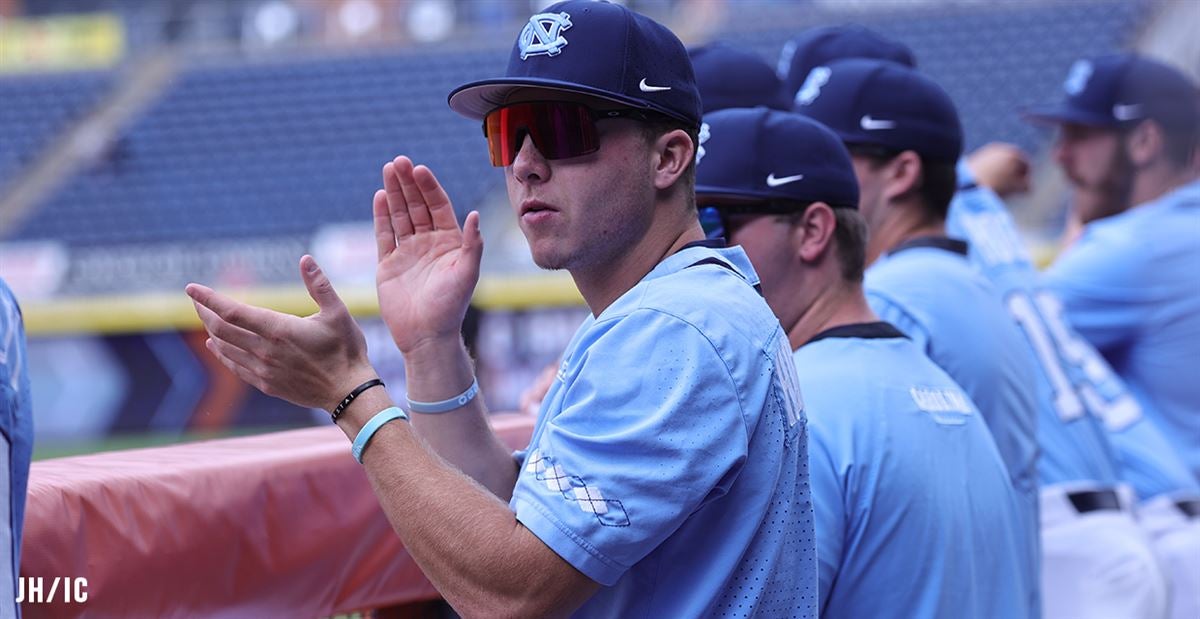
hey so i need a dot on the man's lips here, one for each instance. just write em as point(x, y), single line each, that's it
point(534, 206)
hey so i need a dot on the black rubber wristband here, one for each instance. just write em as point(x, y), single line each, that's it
point(337, 411)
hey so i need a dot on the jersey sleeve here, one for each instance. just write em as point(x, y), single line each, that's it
point(650, 428)
point(1100, 293)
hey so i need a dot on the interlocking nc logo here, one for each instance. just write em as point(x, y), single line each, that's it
point(811, 88)
point(543, 35)
point(704, 135)
point(1078, 78)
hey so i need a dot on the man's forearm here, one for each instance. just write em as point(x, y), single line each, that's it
point(465, 539)
point(440, 370)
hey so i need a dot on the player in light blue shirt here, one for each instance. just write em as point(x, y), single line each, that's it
point(1128, 129)
point(667, 471)
point(16, 425)
point(714, 390)
point(1088, 396)
point(1077, 462)
point(904, 137)
point(915, 514)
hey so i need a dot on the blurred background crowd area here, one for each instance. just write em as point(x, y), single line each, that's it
point(145, 144)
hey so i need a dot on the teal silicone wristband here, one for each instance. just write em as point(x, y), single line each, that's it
point(445, 406)
point(369, 430)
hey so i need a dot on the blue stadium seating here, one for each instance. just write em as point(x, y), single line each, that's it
point(277, 147)
point(273, 148)
point(34, 109)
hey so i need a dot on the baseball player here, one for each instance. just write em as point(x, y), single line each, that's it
point(1127, 135)
point(1128, 130)
point(16, 421)
point(893, 440)
point(904, 137)
point(667, 471)
point(1090, 541)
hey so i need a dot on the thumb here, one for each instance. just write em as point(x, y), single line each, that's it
point(318, 285)
point(473, 238)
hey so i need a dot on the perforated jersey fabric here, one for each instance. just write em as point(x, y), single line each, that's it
point(669, 459)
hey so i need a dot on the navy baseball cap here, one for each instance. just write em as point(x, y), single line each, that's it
point(765, 154)
point(820, 46)
point(731, 77)
point(593, 48)
point(881, 103)
point(1122, 89)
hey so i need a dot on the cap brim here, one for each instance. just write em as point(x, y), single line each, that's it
point(1057, 114)
point(476, 99)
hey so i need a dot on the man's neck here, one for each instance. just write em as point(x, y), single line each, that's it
point(601, 285)
point(1153, 183)
point(839, 303)
point(896, 233)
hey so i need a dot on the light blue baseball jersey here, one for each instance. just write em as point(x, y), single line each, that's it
point(1074, 447)
point(16, 425)
point(915, 514)
point(1131, 287)
point(669, 461)
point(929, 290)
point(1091, 427)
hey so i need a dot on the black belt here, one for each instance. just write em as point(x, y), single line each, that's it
point(1094, 500)
point(1191, 507)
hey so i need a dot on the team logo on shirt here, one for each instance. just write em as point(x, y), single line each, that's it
point(946, 406)
point(785, 372)
point(543, 35)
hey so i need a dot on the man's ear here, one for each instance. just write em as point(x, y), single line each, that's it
point(812, 235)
point(1145, 142)
point(673, 153)
point(902, 175)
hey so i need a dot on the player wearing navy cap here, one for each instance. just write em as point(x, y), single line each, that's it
point(817, 47)
point(1128, 129)
point(904, 137)
point(1127, 138)
point(894, 441)
point(667, 471)
point(1088, 530)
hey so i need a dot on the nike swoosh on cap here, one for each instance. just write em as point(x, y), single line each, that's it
point(648, 88)
point(775, 182)
point(1132, 111)
point(873, 124)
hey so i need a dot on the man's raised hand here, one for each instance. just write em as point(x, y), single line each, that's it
point(428, 266)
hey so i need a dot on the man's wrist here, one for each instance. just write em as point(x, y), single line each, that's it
point(432, 350)
point(360, 411)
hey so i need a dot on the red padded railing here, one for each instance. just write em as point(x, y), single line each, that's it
point(275, 525)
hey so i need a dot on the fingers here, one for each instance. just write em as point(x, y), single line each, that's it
point(441, 211)
point(254, 319)
point(397, 204)
point(472, 238)
point(319, 286)
point(418, 210)
point(385, 235)
point(221, 330)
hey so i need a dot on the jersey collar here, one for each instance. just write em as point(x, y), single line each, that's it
point(862, 330)
point(945, 243)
